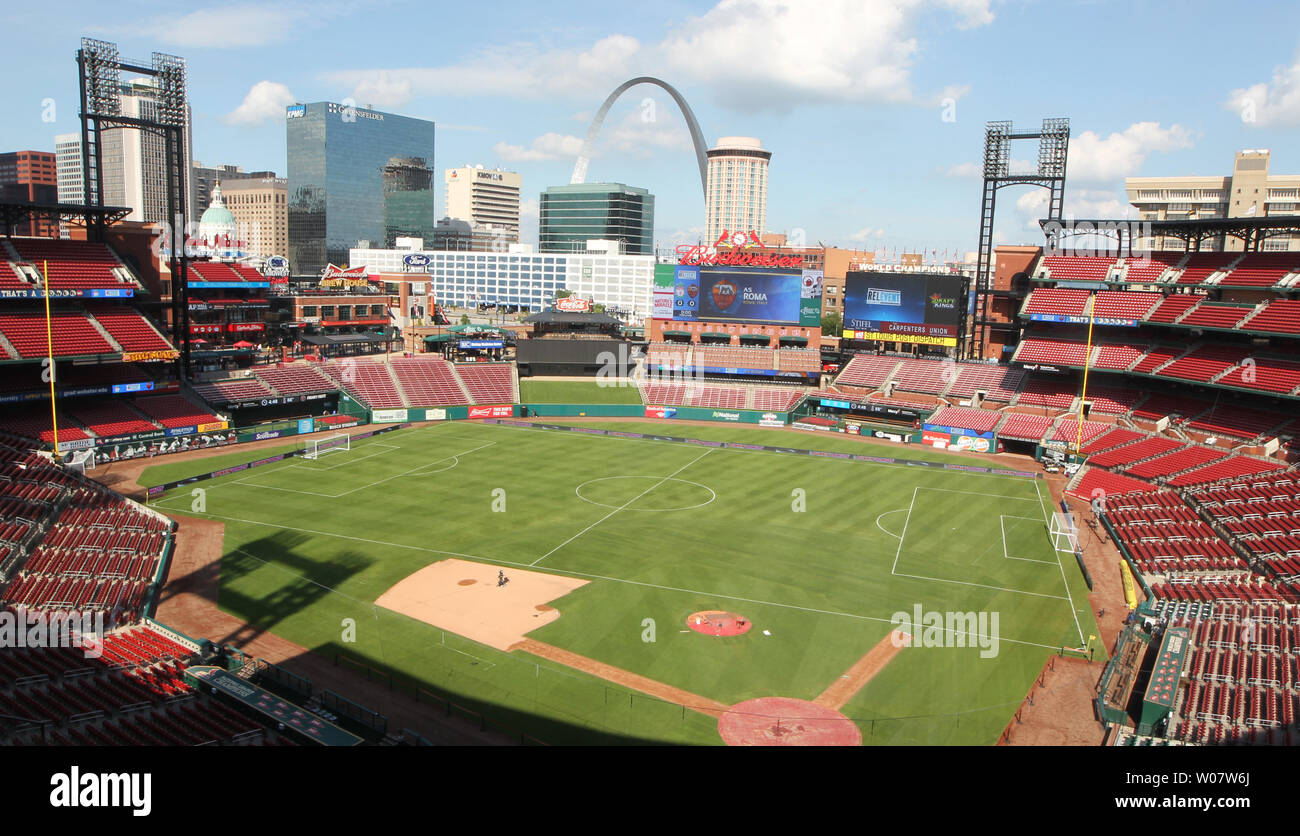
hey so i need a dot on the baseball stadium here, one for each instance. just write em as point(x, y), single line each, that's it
point(1050, 500)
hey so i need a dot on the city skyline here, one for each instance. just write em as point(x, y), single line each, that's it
point(897, 110)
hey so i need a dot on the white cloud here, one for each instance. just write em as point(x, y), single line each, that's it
point(867, 234)
point(265, 100)
point(548, 146)
point(1097, 159)
point(965, 170)
point(650, 127)
point(1270, 104)
point(514, 70)
point(243, 25)
point(749, 53)
point(1080, 203)
point(383, 89)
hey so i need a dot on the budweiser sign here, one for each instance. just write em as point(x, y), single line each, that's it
point(344, 277)
point(738, 249)
point(572, 305)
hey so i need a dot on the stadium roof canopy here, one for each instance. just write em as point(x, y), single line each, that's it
point(14, 212)
point(342, 339)
point(1252, 230)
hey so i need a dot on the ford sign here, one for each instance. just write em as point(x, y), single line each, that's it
point(417, 260)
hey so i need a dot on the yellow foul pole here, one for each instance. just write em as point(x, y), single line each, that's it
point(1087, 364)
point(49, 345)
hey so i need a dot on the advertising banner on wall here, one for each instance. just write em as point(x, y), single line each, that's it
point(387, 416)
point(491, 411)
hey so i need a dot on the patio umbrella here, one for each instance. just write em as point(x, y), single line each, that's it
point(242, 344)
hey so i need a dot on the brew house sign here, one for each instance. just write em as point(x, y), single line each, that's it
point(736, 249)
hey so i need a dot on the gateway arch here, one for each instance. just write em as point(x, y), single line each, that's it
point(697, 136)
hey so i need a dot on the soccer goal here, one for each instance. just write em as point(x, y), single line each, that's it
point(314, 448)
point(1064, 535)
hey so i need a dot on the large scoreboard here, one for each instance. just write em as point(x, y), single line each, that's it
point(755, 295)
point(903, 307)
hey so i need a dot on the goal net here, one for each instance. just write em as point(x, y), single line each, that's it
point(314, 447)
point(1064, 535)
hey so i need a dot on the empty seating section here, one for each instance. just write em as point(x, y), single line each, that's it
point(1261, 270)
point(489, 383)
point(1230, 468)
point(1265, 373)
point(1057, 301)
point(929, 376)
point(1157, 356)
point(296, 380)
point(233, 391)
point(129, 329)
point(108, 418)
point(81, 265)
point(1110, 440)
point(799, 360)
point(1280, 316)
point(719, 397)
point(1071, 428)
point(1048, 391)
point(34, 422)
point(776, 398)
point(735, 357)
point(1051, 352)
point(1023, 427)
point(668, 354)
point(1175, 306)
point(427, 382)
point(867, 370)
point(666, 394)
point(999, 382)
point(1119, 356)
point(1113, 400)
point(1158, 406)
point(1079, 268)
point(1214, 315)
point(1121, 304)
point(1173, 462)
point(1110, 484)
point(980, 420)
point(1205, 363)
point(174, 411)
point(1200, 266)
point(1149, 270)
point(1237, 421)
point(369, 382)
point(217, 271)
point(1131, 453)
point(11, 278)
point(72, 332)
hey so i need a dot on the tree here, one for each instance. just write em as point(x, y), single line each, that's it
point(563, 294)
point(464, 319)
point(832, 324)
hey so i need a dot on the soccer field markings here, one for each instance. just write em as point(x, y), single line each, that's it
point(621, 507)
point(1002, 522)
point(418, 470)
point(304, 466)
point(562, 571)
point(894, 570)
point(1073, 610)
point(886, 530)
point(712, 494)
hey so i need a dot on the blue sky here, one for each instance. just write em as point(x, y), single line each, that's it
point(849, 95)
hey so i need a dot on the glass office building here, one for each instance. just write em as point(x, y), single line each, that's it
point(355, 175)
point(570, 216)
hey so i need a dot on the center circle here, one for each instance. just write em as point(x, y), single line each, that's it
point(623, 493)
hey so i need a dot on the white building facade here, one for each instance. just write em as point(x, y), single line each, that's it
point(736, 191)
point(622, 283)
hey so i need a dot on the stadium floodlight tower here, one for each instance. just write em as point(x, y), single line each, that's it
point(1053, 147)
point(100, 72)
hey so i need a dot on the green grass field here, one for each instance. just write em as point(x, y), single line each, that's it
point(574, 391)
point(661, 530)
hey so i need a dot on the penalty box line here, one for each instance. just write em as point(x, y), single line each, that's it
point(903, 537)
point(558, 570)
point(1002, 523)
point(1064, 581)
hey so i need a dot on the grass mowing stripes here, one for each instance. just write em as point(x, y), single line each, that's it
point(808, 548)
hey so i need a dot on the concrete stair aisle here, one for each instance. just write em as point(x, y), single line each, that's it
point(397, 384)
point(469, 398)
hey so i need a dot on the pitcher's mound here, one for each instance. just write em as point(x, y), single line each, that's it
point(718, 623)
point(781, 721)
point(464, 597)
